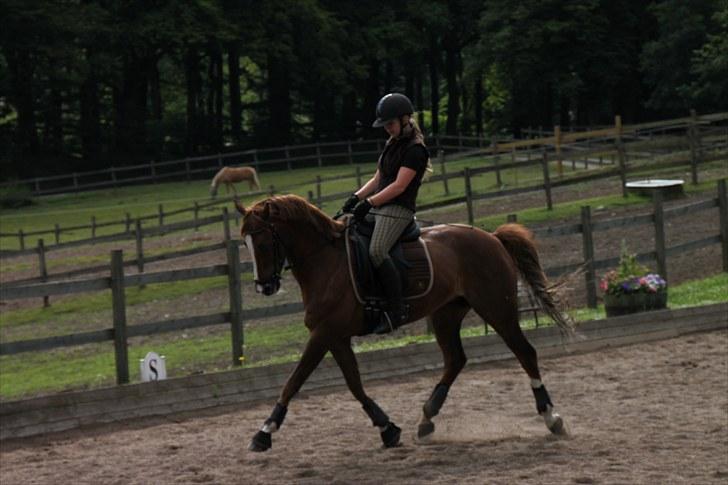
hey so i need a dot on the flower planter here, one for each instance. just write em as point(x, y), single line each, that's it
point(624, 304)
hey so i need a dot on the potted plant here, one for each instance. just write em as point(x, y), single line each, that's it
point(632, 287)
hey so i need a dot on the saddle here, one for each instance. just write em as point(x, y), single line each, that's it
point(410, 255)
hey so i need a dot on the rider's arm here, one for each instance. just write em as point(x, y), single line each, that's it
point(404, 177)
point(368, 187)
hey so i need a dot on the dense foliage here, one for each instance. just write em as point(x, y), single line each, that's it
point(87, 84)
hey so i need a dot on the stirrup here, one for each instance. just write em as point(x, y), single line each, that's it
point(388, 324)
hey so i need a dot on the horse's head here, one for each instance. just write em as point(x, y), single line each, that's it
point(265, 246)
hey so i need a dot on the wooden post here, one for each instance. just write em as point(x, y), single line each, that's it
point(695, 148)
point(225, 224)
point(588, 245)
point(127, 222)
point(93, 227)
point(288, 159)
point(271, 190)
point(318, 155)
point(196, 213)
point(236, 301)
point(723, 209)
point(351, 154)
point(161, 215)
point(21, 239)
point(113, 176)
point(255, 161)
point(43, 268)
point(496, 162)
point(187, 169)
point(58, 233)
point(118, 303)
point(443, 170)
point(468, 196)
point(512, 218)
point(358, 177)
point(620, 153)
point(318, 190)
point(557, 145)
point(139, 246)
point(660, 252)
point(219, 160)
point(547, 180)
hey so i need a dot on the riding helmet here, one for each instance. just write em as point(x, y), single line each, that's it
point(392, 106)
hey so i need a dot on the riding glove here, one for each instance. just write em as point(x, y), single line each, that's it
point(362, 209)
point(350, 203)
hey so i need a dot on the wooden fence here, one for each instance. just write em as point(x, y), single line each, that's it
point(233, 269)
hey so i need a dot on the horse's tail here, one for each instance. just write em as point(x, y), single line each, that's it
point(216, 182)
point(519, 243)
point(255, 178)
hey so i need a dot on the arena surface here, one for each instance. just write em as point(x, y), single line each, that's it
point(648, 413)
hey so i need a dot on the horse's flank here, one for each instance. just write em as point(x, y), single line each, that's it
point(232, 175)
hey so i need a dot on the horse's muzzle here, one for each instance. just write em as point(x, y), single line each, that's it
point(268, 288)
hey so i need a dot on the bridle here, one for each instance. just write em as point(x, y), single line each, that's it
point(279, 254)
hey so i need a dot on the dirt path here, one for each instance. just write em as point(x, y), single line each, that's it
point(648, 413)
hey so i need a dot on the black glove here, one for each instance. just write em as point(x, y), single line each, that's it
point(350, 203)
point(362, 209)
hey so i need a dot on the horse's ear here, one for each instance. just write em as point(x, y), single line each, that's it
point(240, 207)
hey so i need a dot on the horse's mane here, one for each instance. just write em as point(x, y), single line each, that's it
point(297, 209)
point(216, 178)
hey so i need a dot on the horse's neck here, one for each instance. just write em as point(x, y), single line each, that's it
point(310, 254)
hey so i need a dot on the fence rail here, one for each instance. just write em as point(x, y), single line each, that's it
point(234, 268)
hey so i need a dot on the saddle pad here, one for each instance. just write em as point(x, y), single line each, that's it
point(418, 275)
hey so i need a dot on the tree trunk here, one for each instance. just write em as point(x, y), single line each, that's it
point(453, 91)
point(21, 70)
point(434, 63)
point(419, 101)
point(53, 123)
point(193, 83)
point(130, 130)
point(217, 86)
point(236, 109)
point(478, 103)
point(155, 93)
point(90, 122)
point(388, 76)
point(371, 94)
point(279, 101)
point(349, 115)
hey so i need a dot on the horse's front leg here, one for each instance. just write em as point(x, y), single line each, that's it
point(312, 355)
point(344, 356)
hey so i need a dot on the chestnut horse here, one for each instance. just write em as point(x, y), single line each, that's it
point(472, 269)
point(232, 175)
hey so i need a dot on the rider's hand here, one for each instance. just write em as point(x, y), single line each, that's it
point(350, 203)
point(362, 209)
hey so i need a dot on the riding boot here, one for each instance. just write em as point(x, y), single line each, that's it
point(397, 310)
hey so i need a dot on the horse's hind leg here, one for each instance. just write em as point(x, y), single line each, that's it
point(446, 322)
point(344, 356)
point(506, 325)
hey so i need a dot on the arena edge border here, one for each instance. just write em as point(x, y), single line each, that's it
point(66, 411)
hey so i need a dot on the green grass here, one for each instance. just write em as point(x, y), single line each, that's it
point(89, 366)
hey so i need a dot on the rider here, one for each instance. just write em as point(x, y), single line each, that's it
point(391, 193)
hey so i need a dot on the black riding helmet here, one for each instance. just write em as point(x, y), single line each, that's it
point(392, 106)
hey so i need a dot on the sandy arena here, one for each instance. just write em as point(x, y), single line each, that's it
point(648, 413)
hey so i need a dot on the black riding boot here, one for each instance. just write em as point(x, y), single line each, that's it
point(397, 311)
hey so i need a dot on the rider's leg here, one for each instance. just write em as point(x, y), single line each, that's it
point(390, 221)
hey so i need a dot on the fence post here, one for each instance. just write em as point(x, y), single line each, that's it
point(43, 268)
point(546, 180)
point(196, 214)
point(225, 224)
point(588, 245)
point(620, 153)
point(318, 154)
point(318, 190)
point(161, 215)
point(443, 170)
point(695, 148)
point(256, 162)
point(118, 302)
point(271, 190)
point(468, 195)
point(187, 169)
point(723, 209)
point(557, 145)
point(139, 245)
point(351, 154)
point(659, 219)
point(288, 158)
point(358, 177)
point(496, 162)
point(21, 238)
point(310, 197)
point(236, 301)
point(58, 233)
point(93, 227)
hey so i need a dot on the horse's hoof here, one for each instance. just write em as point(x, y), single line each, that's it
point(390, 435)
point(557, 427)
point(260, 442)
point(425, 429)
